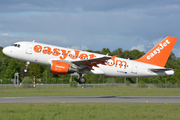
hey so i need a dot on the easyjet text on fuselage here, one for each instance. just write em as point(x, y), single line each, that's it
point(63, 54)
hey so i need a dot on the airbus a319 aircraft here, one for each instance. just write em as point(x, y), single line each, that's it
point(64, 60)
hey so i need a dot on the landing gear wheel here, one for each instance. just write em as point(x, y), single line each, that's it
point(82, 80)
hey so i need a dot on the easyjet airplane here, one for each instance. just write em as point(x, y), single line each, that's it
point(65, 60)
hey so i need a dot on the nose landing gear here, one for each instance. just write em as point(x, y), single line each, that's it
point(27, 65)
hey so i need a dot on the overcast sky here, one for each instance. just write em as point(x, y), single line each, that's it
point(91, 24)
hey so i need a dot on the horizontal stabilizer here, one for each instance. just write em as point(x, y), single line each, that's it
point(160, 69)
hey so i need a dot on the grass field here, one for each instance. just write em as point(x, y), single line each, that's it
point(89, 111)
point(90, 92)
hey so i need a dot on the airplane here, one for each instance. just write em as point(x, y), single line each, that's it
point(64, 60)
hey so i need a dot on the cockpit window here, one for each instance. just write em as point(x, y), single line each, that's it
point(16, 45)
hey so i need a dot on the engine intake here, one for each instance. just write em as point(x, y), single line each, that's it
point(61, 68)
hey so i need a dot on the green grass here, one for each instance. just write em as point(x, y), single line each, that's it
point(89, 92)
point(89, 111)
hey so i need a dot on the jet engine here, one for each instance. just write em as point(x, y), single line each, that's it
point(61, 68)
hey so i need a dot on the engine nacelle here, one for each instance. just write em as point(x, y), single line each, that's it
point(61, 68)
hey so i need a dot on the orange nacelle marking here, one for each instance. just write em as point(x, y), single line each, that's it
point(37, 48)
point(65, 54)
point(47, 50)
point(83, 56)
point(55, 51)
point(59, 67)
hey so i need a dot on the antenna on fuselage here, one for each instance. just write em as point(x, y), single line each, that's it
point(33, 40)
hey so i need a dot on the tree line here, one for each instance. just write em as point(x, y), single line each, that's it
point(10, 66)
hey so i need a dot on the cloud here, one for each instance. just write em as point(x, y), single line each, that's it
point(155, 42)
point(82, 47)
point(96, 24)
point(6, 34)
point(139, 47)
point(7, 40)
point(81, 5)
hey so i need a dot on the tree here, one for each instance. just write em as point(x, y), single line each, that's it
point(4, 61)
point(12, 68)
point(22, 74)
point(27, 80)
point(99, 52)
point(118, 52)
point(35, 70)
point(135, 54)
point(6, 81)
point(106, 51)
point(172, 61)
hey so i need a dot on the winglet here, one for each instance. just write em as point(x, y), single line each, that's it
point(160, 53)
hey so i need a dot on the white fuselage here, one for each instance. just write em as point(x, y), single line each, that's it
point(44, 54)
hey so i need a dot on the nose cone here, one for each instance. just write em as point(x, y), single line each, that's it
point(5, 51)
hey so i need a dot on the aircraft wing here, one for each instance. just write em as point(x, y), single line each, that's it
point(89, 63)
point(160, 69)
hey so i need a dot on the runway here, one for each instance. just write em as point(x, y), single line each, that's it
point(90, 99)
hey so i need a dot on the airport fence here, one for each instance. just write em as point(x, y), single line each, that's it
point(12, 86)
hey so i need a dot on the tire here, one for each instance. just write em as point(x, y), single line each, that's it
point(82, 80)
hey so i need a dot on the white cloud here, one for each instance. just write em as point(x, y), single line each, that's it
point(155, 42)
point(82, 47)
point(6, 34)
point(75, 47)
point(96, 24)
point(6, 40)
point(139, 47)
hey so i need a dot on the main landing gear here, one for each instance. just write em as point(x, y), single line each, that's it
point(81, 80)
point(27, 65)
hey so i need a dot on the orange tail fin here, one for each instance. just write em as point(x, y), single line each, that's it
point(160, 53)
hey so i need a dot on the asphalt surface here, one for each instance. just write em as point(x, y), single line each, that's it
point(90, 99)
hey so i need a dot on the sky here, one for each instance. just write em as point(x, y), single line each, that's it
point(91, 24)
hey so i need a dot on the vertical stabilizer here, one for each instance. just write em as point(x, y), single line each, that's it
point(160, 53)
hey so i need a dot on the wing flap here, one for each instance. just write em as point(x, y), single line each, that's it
point(89, 63)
